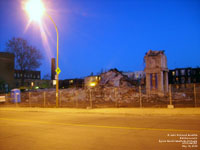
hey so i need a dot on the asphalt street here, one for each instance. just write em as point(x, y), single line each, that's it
point(40, 130)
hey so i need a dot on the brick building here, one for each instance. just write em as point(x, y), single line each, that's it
point(7, 71)
point(29, 77)
point(184, 75)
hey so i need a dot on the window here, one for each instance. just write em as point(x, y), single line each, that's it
point(182, 80)
point(193, 72)
point(173, 73)
point(189, 80)
point(183, 72)
point(176, 72)
point(177, 80)
point(189, 72)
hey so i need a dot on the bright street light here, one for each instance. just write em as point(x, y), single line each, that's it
point(35, 10)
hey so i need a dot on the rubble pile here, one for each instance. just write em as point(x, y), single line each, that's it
point(114, 78)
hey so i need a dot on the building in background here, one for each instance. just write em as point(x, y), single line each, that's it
point(71, 83)
point(184, 76)
point(27, 74)
point(91, 81)
point(138, 77)
point(7, 71)
point(30, 78)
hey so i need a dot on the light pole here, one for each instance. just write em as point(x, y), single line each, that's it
point(57, 68)
point(36, 10)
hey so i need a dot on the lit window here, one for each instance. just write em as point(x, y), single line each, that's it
point(182, 72)
point(173, 73)
point(93, 84)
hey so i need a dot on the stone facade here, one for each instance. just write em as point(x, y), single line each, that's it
point(156, 72)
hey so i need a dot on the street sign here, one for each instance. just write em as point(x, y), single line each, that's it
point(58, 70)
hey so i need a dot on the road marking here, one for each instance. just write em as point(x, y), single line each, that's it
point(98, 126)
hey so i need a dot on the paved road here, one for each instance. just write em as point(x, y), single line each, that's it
point(83, 131)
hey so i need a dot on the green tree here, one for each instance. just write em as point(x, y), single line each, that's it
point(27, 57)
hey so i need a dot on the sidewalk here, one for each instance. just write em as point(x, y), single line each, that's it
point(117, 111)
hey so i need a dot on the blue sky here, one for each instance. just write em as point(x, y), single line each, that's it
point(104, 34)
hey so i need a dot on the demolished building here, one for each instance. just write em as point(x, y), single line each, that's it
point(114, 78)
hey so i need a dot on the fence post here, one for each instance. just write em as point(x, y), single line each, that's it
point(140, 93)
point(76, 102)
point(115, 94)
point(90, 98)
point(60, 99)
point(29, 94)
point(170, 94)
point(6, 97)
point(195, 96)
point(44, 99)
point(16, 99)
point(170, 97)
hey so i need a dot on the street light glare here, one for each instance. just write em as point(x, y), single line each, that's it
point(35, 9)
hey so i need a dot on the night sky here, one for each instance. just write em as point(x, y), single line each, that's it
point(104, 34)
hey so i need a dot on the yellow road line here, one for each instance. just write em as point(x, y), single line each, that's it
point(98, 126)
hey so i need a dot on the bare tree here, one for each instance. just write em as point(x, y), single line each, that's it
point(46, 77)
point(27, 57)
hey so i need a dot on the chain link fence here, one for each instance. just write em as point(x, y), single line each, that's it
point(187, 95)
